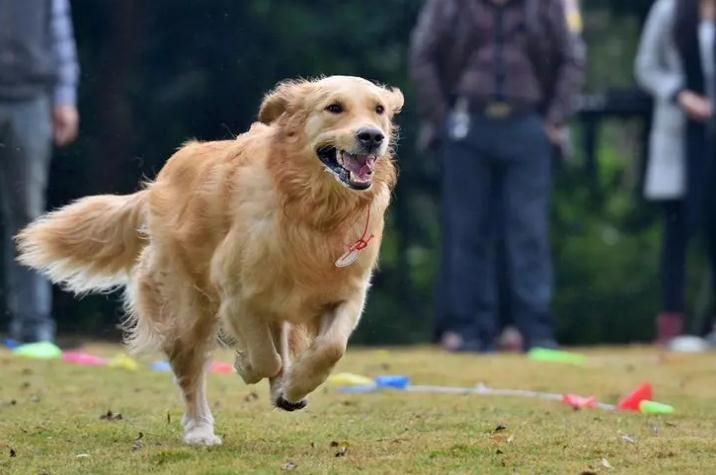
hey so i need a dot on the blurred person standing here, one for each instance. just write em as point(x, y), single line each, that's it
point(497, 82)
point(676, 64)
point(38, 89)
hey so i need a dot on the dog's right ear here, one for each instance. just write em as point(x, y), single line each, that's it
point(284, 98)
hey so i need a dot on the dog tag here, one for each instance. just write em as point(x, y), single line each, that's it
point(351, 255)
point(348, 258)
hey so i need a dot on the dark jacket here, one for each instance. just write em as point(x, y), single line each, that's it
point(37, 50)
point(450, 31)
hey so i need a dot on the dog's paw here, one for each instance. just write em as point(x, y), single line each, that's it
point(282, 403)
point(246, 371)
point(201, 437)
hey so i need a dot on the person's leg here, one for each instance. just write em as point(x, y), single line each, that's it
point(683, 219)
point(670, 321)
point(710, 225)
point(25, 168)
point(526, 152)
point(468, 270)
point(673, 264)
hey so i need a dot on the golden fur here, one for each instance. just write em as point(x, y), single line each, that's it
point(239, 237)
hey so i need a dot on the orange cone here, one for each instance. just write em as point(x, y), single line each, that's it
point(631, 403)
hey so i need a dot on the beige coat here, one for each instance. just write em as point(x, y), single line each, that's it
point(659, 71)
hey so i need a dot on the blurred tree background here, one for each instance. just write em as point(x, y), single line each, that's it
point(155, 74)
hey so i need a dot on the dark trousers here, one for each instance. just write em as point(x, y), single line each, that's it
point(25, 148)
point(499, 173)
point(687, 217)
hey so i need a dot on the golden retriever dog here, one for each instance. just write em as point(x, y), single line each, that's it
point(268, 241)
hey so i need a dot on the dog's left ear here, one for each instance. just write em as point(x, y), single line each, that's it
point(395, 100)
point(283, 98)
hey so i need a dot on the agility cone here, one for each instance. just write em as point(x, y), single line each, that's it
point(651, 407)
point(123, 361)
point(349, 379)
point(83, 359)
point(631, 403)
point(44, 350)
point(220, 367)
point(549, 355)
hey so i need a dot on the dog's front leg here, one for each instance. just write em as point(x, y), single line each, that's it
point(258, 359)
point(314, 365)
point(291, 339)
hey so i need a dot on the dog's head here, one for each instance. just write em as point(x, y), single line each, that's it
point(339, 124)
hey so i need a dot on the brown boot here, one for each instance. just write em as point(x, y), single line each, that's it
point(668, 326)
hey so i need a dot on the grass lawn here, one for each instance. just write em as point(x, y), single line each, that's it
point(50, 419)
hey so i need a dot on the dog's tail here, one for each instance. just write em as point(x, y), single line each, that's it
point(89, 245)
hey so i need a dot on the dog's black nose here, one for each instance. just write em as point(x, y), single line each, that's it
point(370, 138)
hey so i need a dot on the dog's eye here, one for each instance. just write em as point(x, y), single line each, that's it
point(379, 109)
point(335, 108)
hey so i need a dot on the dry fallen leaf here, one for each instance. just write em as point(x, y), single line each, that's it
point(606, 464)
point(289, 466)
point(111, 416)
point(82, 456)
point(252, 396)
point(138, 444)
point(341, 446)
point(499, 428)
point(13, 453)
point(628, 439)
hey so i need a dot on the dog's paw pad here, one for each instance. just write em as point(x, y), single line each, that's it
point(282, 403)
point(201, 438)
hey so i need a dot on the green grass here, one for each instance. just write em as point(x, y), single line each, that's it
point(54, 426)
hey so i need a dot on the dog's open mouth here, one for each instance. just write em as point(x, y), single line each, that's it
point(353, 170)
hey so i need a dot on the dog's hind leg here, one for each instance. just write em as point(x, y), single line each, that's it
point(189, 355)
point(189, 364)
point(314, 365)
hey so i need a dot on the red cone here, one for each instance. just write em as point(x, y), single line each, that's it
point(631, 403)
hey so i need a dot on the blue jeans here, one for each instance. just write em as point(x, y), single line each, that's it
point(25, 150)
point(497, 183)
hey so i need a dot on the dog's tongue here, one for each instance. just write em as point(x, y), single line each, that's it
point(361, 166)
